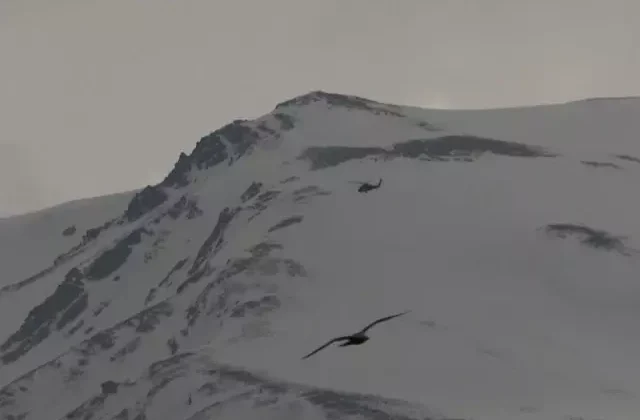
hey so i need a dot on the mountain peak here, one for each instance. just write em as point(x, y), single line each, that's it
point(334, 99)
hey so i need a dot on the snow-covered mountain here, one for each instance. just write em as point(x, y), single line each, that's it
point(510, 234)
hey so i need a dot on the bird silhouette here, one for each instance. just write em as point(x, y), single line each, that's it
point(355, 339)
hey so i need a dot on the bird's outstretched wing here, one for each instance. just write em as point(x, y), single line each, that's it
point(377, 321)
point(325, 345)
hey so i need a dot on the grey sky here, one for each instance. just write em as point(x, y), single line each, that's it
point(101, 96)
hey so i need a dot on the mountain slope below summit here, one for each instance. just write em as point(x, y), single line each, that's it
point(192, 386)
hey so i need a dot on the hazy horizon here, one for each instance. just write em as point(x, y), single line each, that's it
point(101, 97)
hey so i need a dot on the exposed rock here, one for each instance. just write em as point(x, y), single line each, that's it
point(266, 129)
point(212, 150)
point(150, 296)
point(109, 387)
point(173, 345)
point(304, 193)
point(262, 202)
point(66, 303)
point(112, 259)
point(103, 340)
point(178, 266)
point(628, 158)
point(215, 240)
point(326, 157)
point(594, 238)
point(178, 175)
point(146, 321)
point(438, 148)
point(26, 282)
point(128, 348)
point(289, 179)
point(75, 328)
point(256, 307)
point(285, 223)
point(69, 231)
point(143, 202)
point(189, 205)
point(596, 164)
point(465, 145)
point(251, 191)
point(346, 101)
point(287, 122)
point(219, 294)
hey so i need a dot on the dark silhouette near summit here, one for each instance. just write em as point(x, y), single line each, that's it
point(366, 187)
point(355, 339)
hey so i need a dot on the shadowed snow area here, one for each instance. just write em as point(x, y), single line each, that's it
point(507, 233)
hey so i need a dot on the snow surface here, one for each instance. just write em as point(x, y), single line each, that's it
point(506, 322)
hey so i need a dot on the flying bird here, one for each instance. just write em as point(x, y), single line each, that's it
point(355, 339)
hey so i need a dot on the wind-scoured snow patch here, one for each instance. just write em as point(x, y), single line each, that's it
point(442, 148)
point(628, 158)
point(590, 237)
point(596, 164)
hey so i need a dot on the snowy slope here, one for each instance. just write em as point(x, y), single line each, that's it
point(509, 234)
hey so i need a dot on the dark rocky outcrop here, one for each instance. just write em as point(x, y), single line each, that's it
point(251, 191)
point(69, 231)
point(440, 148)
point(303, 194)
point(128, 348)
point(346, 101)
point(66, 303)
point(150, 296)
point(109, 387)
point(219, 294)
point(190, 206)
point(256, 307)
point(286, 222)
point(26, 282)
point(143, 202)
point(173, 345)
point(212, 150)
point(287, 122)
point(214, 241)
point(112, 259)
point(326, 157)
point(261, 203)
point(178, 175)
point(93, 233)
point(593, 238)
point(596, 164)
point(178, 266)
point(628, 158)
point(209, 248)
point(289, 179)
point(465, 146)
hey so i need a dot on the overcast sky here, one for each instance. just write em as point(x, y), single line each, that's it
point(101, 96)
